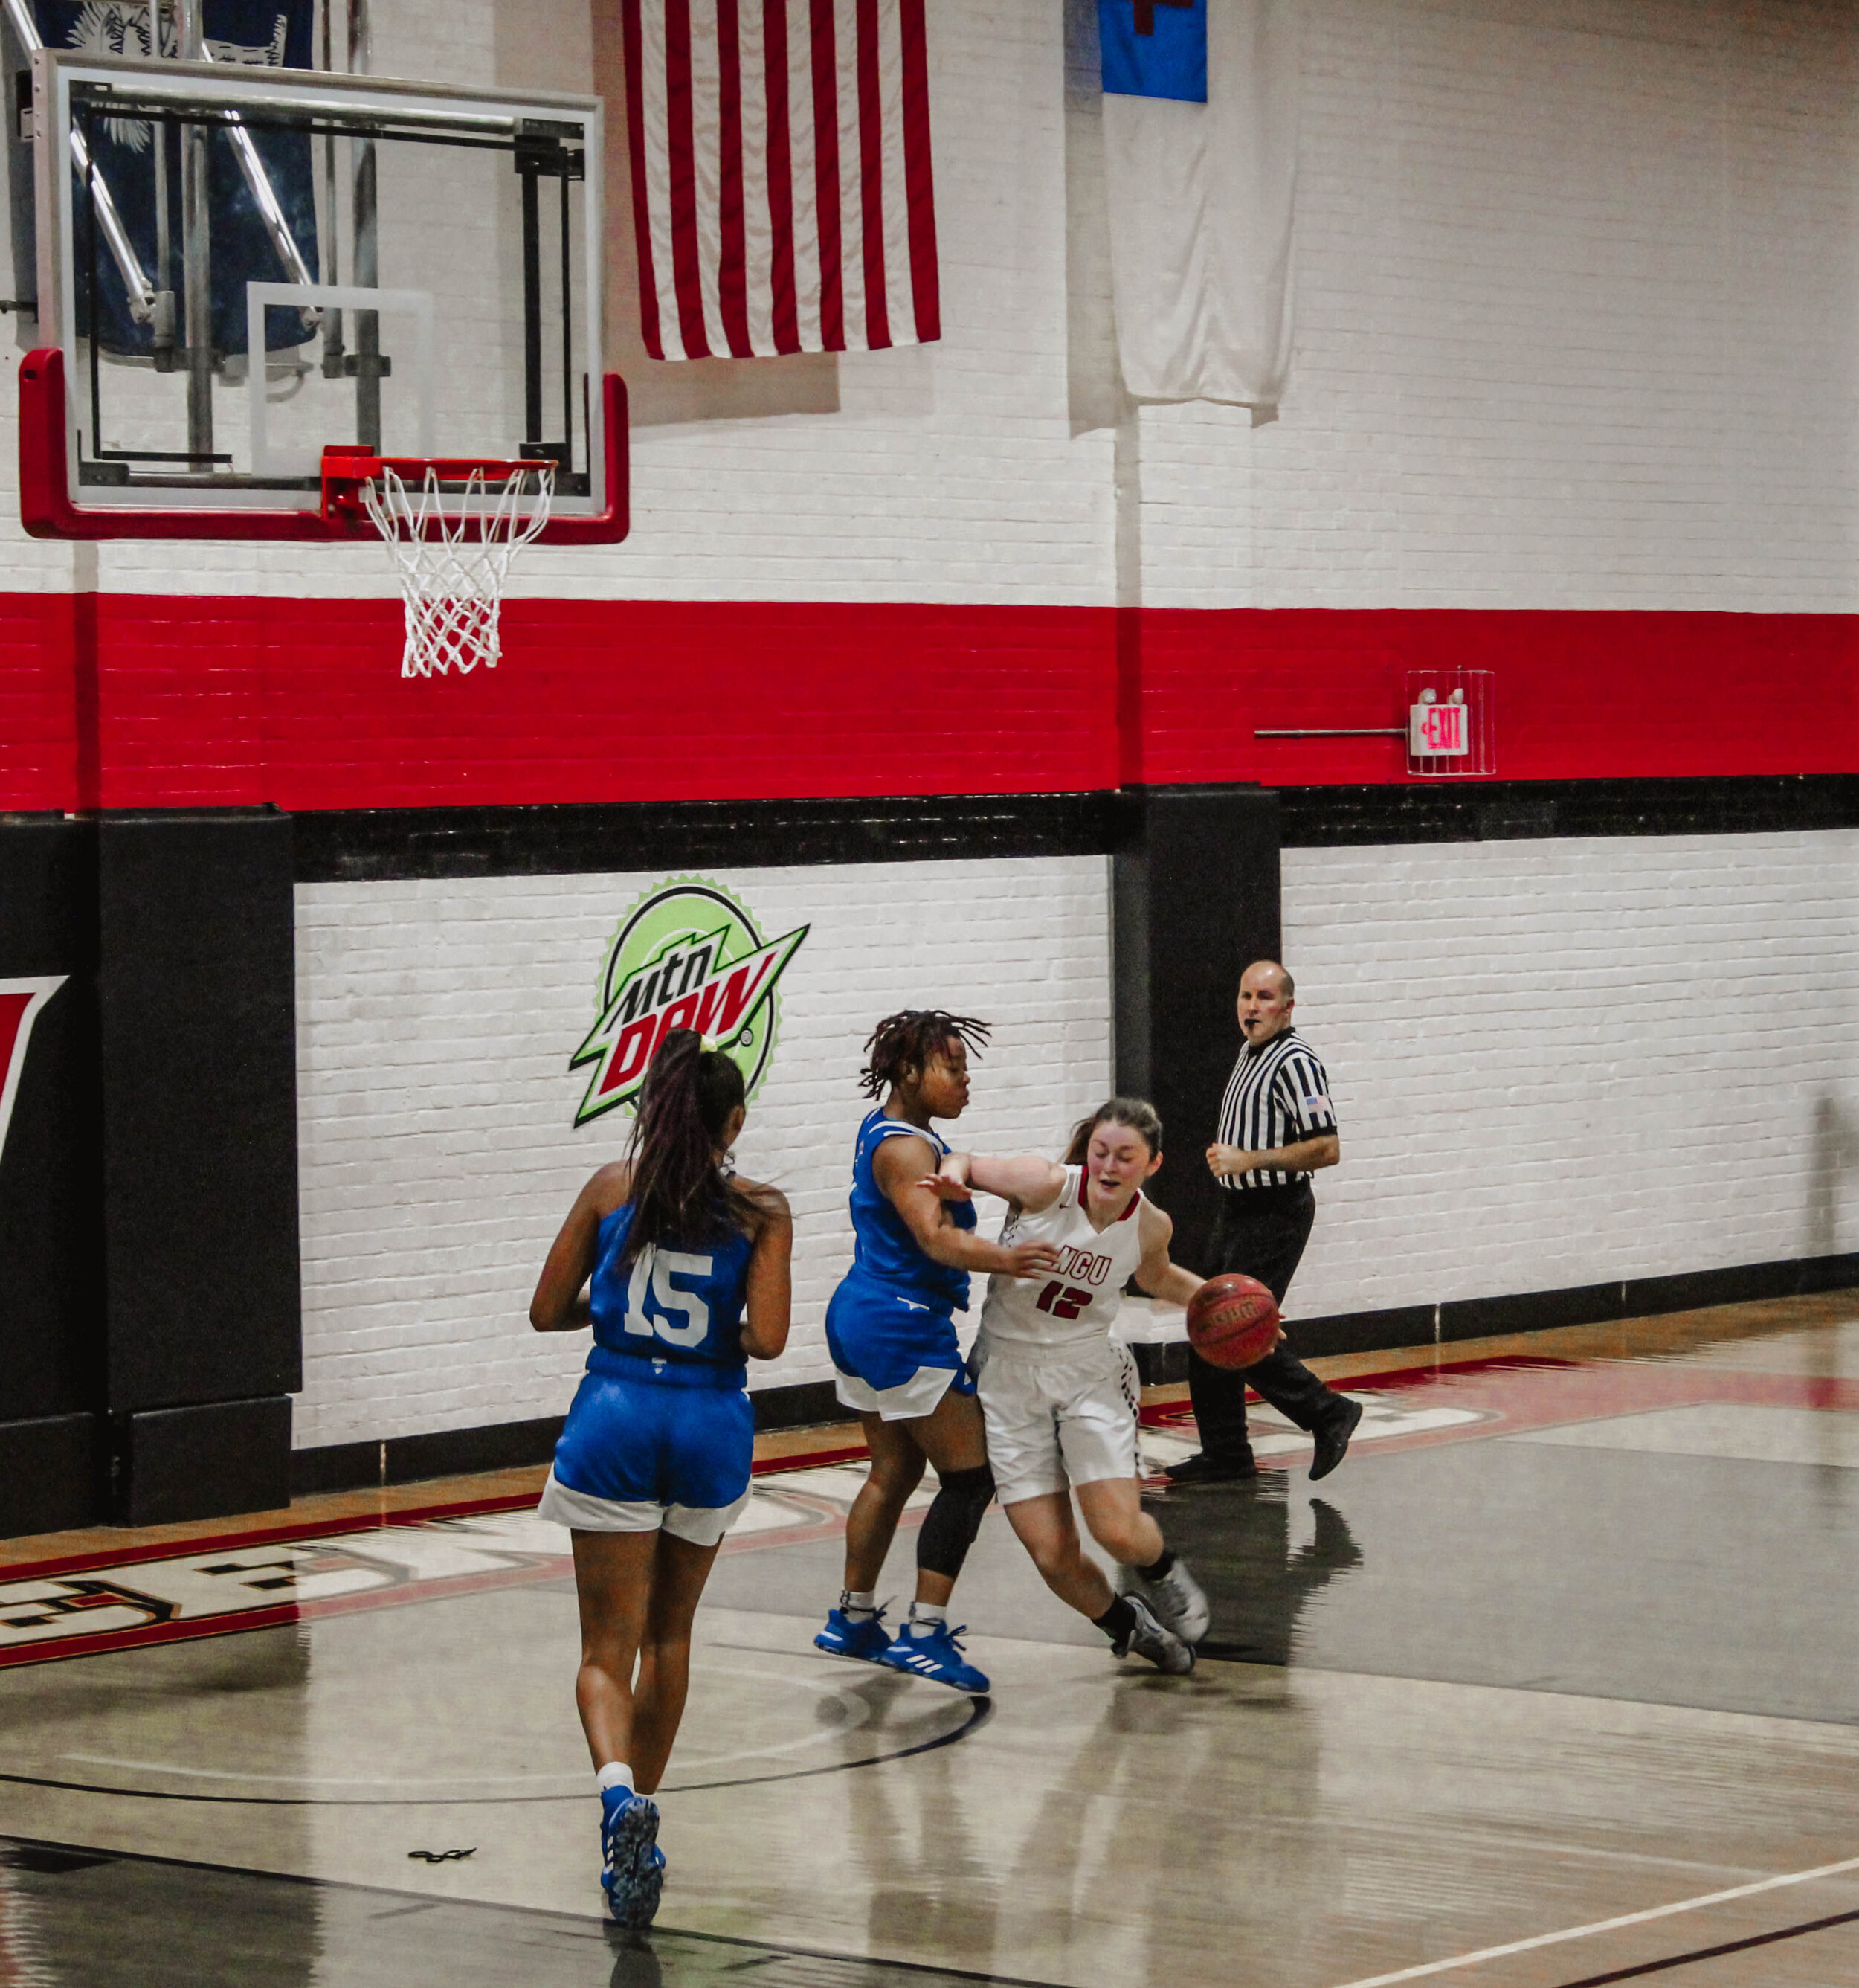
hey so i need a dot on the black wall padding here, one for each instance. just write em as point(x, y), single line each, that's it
point(52, 1474)
point(1196, 892)
point(212, 1462)
point(51, 1238)
point(197, 997)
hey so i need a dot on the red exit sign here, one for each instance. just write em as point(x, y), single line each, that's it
point(1437, 729)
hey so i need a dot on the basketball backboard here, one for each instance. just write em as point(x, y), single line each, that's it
point(278, 261)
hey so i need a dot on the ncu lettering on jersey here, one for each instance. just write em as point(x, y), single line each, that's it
point(1074, 1265)
point(1081, 1267)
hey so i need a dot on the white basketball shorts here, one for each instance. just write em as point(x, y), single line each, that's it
point(1056, 1416)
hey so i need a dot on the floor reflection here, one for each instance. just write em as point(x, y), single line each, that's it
point(1238, 1541)
point(1580, 1651)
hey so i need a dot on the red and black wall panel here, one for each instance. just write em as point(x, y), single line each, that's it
point(51, 1454)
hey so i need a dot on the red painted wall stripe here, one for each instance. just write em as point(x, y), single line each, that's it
point(1578, 696)
point(125, 700)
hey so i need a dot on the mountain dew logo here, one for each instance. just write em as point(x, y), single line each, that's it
point(686, 956)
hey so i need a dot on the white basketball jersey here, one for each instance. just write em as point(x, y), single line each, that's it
point(1077, 1304)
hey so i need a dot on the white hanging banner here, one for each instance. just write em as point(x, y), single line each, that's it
point(1200, 193)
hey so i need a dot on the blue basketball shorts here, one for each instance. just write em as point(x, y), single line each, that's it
point(635, 1455)
point(894, 1355)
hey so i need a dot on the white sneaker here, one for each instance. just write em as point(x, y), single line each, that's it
point(1163, 1647)
point(1177, 1598)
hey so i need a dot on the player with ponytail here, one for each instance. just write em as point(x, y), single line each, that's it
point(683, 1271)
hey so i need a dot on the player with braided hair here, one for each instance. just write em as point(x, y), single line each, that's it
point(891, 1331)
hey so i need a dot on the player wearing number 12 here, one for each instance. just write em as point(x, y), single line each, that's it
point(653, 1465)
point(1060, 1396)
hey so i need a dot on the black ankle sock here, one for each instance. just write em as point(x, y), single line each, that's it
point(1118, 1620)
point(1161, 1568)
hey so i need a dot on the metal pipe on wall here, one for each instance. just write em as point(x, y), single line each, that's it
point(367, 248)
point(196, 248)
point(332, 352)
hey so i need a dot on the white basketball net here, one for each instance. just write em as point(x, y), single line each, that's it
point(452, 567)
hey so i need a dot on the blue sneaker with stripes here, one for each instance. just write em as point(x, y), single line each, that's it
point(937, 1657)
point(634, 1873)
point(867, 1638)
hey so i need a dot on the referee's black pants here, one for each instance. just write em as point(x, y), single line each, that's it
point(1261, 1232)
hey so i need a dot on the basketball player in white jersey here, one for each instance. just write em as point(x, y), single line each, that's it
point(1060, 1396)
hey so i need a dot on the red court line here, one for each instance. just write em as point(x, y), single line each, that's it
point(814, 1460)
point(316, 1529)
point(1562, 1390)
point(1521, 1392)
point(187, 1629)
point(255, 1536)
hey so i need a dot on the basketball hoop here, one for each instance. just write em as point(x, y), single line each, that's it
point(451, 546)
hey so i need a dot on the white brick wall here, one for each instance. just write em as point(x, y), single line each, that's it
point(438, 1152)
point(1556, 1063)
point(1575, 285)
point(1576, 303)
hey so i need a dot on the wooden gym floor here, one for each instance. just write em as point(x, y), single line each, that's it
point(1555, 1682)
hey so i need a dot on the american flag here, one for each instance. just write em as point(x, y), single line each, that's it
point(782, 191)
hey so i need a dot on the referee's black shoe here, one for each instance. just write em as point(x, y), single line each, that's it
point(1205, 1469)
point(1333, 1434)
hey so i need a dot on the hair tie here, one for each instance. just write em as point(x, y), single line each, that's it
point(707, 1045)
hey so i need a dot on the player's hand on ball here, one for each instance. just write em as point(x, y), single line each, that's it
point(1030, 1259)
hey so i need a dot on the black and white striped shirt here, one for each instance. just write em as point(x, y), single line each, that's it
point(1276, 1096)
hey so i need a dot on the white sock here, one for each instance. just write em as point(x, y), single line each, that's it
point(615, 1774)
point(926, 1617)
point(858, 1603)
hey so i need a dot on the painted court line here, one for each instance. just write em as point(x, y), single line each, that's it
point(1603, 1925)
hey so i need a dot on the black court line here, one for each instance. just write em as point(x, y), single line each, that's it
point(930, 1970)
point(981, 1710)
point(1712, 1952)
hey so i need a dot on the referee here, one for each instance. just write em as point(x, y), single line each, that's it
point(1277, 1128)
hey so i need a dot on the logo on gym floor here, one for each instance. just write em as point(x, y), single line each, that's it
point(688, 955)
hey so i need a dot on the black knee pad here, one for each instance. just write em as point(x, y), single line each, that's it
point(952, 1520)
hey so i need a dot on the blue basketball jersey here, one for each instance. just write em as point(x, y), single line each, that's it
point(681, 1305)
point(886, 1248)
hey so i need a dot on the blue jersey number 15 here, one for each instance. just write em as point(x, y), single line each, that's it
point(657, 1267)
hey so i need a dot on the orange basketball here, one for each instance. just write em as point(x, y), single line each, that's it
point(1232, 1321)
